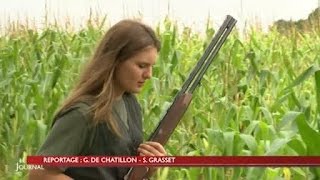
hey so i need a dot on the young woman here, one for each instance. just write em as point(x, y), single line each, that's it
point(102, 115)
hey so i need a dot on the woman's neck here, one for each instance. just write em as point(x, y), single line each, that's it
point(118, 96)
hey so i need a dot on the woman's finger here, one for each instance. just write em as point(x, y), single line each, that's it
point(151, 149)
point(157, 146)
point(148, 150)
point(145, 152)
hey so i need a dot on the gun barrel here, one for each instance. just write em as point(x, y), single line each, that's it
point(221, 36)
point(211, 51)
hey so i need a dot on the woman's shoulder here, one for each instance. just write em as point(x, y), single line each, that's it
point(69, 131)
point(77, 111)
point(82, 107)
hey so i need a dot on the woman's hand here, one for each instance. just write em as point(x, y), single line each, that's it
point(150, 148)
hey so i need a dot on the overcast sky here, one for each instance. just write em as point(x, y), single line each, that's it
point(189, 12)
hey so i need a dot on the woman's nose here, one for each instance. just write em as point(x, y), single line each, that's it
point(148, 73)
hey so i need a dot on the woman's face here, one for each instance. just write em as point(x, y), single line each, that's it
point(131, 74)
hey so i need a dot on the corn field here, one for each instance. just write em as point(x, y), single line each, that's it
point(260, 96)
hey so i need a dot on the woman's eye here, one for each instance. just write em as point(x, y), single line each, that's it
point(142, 65)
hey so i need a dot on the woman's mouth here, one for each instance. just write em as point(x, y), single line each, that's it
point(140, 84)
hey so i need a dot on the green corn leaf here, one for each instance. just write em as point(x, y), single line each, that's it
point(309, 136)
point(229, 141)
point(297, 146)
point(276, 145)
point(317, 90)
point(287, 119)
point(250, 141)
point(302, 77)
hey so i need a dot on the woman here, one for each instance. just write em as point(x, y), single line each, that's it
point(102, 115)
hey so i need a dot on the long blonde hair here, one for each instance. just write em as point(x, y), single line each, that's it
point(122, 41)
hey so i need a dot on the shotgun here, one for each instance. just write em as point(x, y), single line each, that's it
point(183, 98)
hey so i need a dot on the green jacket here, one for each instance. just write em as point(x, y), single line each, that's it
point(74, 134)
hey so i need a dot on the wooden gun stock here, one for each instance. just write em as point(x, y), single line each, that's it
point(164, 131)
point(171, 119)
